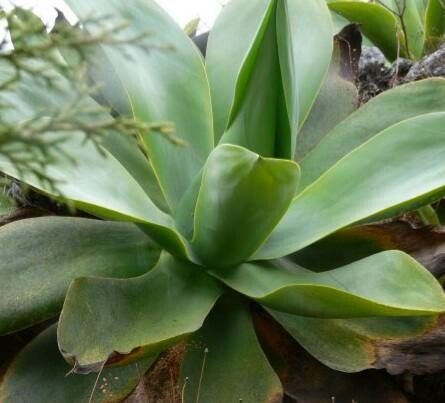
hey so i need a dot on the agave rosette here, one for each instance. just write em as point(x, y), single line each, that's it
point(275, 159)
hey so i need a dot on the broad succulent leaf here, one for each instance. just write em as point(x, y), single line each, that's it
point(398, 27)
point(343, 292)
point(378, 114)
point(116, 197)
point(108, 89)
point(41, 256)
point(120, 196)
point(425, 244)
point(225, 197)
point(434, 24)
point(338, 97)
point(125, 150)
point(38, 374)
point(255, 120)
point(224, 360)
point(305, 52)
point(378, 23)
point(306, 379)
point(241, 199)
point(371, 342)
point(121, 320)
point(338, 21)
point(110, 92)
point(413, 20)
point(169, 86)
point(229, 76)
point(413, 178)
point(276, 33)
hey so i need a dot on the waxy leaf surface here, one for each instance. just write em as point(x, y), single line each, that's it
point(396, 344)
point(304, 35)
point(338, 97)
point(241, 199)
point(41, 256)
point(396, 171)
point(232, 52)
point(165, 81)
point(378, 23)
point(434, 25)
point(121, 320)
point(307, 380)
point(380, 285)
point(225, 362)
point(370, 119)
point(94, 180)
point(39, 374)
point(425, 244)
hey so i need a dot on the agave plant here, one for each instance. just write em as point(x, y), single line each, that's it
point(400, 28)
point(194, 237)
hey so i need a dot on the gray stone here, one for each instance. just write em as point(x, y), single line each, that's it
point(371, 55)
point(432, 65)
point(374, 75)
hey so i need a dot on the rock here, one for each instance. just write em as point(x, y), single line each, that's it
point(374, 75)
point(371, 56)
point(402, 66)
point(432, 65)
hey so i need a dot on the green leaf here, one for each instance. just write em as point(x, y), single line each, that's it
point(253, 124)
point(95, 181)
point(239, 32)
point(387, 284)
point(116, 197)
point(41, 256)
point(243, 89)
point(305, 51)
point(186, 210)
point(378, 24)
point(371, 342)
point(108, 89)
point(121, 320)
point(224, 361)
point(340, 22)
point(375, 116)
point(6, 204)
point(241, 199)
point(428, 215)
point(39, 375)
point(357, 188)
point(126, 150)
point(413, 19)
point(425, 244)
point(166, 83)
point(411, 14)
point(192, 26)
point(305, 379)
point(434, 25)
point(338, 96)
point(91, 188)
